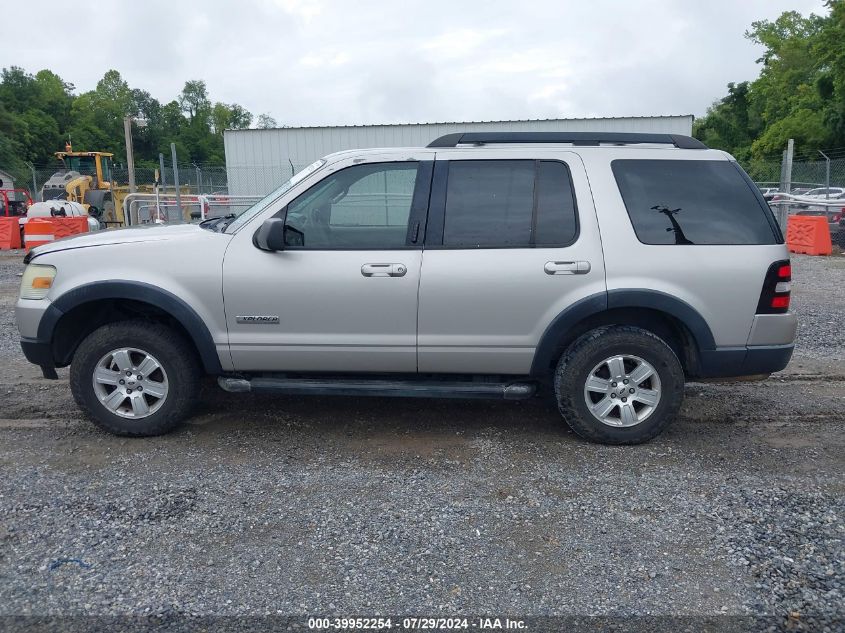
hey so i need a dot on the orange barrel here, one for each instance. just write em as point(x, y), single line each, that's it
point(38, 231)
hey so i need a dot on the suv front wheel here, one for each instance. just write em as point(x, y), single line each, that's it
point(619, 385)
point(135, 378)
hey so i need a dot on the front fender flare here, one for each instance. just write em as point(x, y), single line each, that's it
point(138, 291)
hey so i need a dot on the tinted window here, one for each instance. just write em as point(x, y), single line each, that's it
point(360, 207)
point(556, 218)
point(508, 203)
point(691, 202)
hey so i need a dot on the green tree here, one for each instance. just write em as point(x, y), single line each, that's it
point(18, 90)
point(229, 117)
point(194, 100)
point(266, 122)
point(730, 123)
point(788, 62)
point(39, 135)
point(830, 52)
point(98, 115)
point(55, 97)
point(10, 151)
point(32, 112)
point(38, 113)
point(799, 94)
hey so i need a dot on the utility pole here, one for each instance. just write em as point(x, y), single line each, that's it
point(35, 184)
point(130, 158)
point(176, 181)
point(790, 152)
point(161, 170)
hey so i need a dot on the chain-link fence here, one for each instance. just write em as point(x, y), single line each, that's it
point(196, 179)
point(805, 174)
point(250, 180)
point(810, 187)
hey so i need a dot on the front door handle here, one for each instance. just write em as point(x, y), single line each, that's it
point(567, 268)
point(384, 270)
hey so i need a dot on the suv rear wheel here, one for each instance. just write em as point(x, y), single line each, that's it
point(135, 378)
point(619, 385)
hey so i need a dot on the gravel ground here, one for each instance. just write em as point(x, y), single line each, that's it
point(339, 506)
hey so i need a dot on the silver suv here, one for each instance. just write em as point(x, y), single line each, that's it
point(604, 268)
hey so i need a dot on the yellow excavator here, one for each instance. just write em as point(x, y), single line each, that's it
point(85, 178)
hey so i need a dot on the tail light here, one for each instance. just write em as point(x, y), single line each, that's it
point(774, 298)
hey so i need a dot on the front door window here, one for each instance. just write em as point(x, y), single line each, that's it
point(364, 207)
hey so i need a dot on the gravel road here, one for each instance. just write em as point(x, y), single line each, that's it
point(339, 506)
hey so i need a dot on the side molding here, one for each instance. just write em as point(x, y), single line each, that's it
point(137, 291)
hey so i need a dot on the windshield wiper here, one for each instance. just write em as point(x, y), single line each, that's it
point(217, 224)
point(227, 220)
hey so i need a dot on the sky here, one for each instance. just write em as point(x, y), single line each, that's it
point(334, 62)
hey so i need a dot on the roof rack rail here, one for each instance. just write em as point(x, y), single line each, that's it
point(576, 138)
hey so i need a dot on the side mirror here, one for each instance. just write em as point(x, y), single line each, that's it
point(271, 235)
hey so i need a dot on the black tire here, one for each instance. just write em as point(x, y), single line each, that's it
point(590, 350)
point(176, 356)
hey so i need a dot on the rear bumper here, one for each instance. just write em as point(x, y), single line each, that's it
point(41, 354)
point(766, 359)
point(744, 361)
point(772, 329)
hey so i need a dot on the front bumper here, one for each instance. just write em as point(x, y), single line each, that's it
point(41, 354)
point(29, 314)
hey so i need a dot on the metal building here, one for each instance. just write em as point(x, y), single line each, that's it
point(257, 161)
point(6, 180)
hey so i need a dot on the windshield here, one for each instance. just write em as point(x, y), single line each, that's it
point(83, 164)
point(259, 206)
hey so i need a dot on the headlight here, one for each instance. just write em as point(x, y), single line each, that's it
point(37, 280)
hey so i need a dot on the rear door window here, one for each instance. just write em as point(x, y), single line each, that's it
point(509, 204)
point(692, 202)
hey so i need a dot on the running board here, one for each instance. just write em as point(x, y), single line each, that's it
point(374, 387)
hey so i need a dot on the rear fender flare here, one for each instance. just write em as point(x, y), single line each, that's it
point(563, 323)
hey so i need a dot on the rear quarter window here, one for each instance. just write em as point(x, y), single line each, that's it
point(685, 202)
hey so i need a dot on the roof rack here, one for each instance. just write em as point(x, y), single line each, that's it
point(576, 138)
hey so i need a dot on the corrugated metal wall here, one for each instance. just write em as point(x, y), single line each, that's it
point(259, 160)
point(7, 181)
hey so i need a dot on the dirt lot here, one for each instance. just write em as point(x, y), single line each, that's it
point(340, 506)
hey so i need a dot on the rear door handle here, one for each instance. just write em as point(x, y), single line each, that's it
point(567, 268)
point(384, 270)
